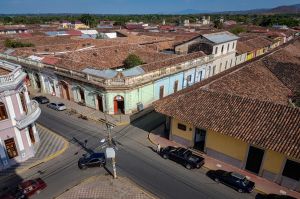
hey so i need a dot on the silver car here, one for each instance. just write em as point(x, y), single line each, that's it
point(57, 106)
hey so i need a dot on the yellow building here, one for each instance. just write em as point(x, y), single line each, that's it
point(249, 137)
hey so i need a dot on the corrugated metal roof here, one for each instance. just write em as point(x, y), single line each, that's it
point(133, 71)
point(100, 73)
point(220, 37)
point(9, 51)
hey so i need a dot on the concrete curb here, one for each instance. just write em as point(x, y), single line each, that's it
point(207, 168)
point(48, 158)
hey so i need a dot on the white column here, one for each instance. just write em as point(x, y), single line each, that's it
point(28, 137)
point(19, 103)
point(35, 133)
point(11, 109)
point(19, 139)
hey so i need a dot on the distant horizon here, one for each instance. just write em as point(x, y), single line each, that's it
point(134, 7)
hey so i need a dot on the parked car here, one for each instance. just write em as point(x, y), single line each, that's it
point(182, 156)
point(237, 181)
point(31, 187)
point(41, 99)
point(273, 196)
point(14, 194)
point(57, 106)
point(92, 160)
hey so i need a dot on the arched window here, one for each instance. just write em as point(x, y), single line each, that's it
point(3, 113)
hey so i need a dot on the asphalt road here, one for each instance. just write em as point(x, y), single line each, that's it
point(135, 160)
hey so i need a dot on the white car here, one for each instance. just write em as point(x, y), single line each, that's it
point(57, 106)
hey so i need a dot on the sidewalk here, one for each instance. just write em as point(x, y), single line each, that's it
point(90, 113)
point(261, 184)
point(106, 187)
point(51, 145)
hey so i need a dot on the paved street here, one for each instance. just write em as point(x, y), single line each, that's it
point(135, 160)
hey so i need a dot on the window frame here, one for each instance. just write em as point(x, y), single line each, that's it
point(3, 112)
point(181, 126)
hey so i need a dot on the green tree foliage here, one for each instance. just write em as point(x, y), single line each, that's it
point(132, 60)
point(257, 19)
point(237, 30)
point(89, 20)
point(16, 44)
point(218, 24)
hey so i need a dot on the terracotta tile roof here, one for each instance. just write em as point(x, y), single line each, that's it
point(254, 80)
point(108, 57)
point(285, 65)
point(247, 102)
point(268, 125)
point(248, 44)
point(4, 71)
point(50, 60)
point(172, 61)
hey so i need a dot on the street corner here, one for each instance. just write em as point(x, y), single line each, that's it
point(106, 187)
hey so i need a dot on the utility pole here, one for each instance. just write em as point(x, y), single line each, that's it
point(110, 151)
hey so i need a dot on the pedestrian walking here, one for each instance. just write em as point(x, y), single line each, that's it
point(158, 148)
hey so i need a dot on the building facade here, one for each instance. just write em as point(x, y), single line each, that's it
point(127, 91)
point(18, 134)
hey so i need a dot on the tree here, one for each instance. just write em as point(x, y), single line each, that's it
point(89, 20)
point(16, 44)
point(218, 24)
point(237, 30)
point(132, 60)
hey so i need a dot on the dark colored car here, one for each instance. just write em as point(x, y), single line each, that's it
point(92, 160)
point(273, 196)
point(31, 187)
point(182, 156)
point(41, 99)
point(14, 194)
point(237, 181)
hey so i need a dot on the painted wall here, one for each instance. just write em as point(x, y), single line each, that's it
point(273, 161)
point(176, 77)
point(250, 55)
point(157, 84)
point(187, 135)
point(187, 73)
point(226, 145)
point(200, 73)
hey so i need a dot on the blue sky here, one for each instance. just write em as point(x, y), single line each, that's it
point(132, 6)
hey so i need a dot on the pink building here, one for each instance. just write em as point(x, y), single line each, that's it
point(18, 135)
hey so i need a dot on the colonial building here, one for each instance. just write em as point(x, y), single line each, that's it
point(18, 133)
point(91, 72)
point(244, 116)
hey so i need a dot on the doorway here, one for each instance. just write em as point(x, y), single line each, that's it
point(254, 160)
point(100, 103)
point(37, 81)
point(82, 96)
point(11, 148)
point(199, 143)
point(119, 107)
point(65, 90)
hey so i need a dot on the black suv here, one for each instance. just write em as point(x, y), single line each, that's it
point(92, 160)
point(41, 99)
point(182, 156)
point(235, 180)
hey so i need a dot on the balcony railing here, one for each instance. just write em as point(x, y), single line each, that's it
point(30, 116)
